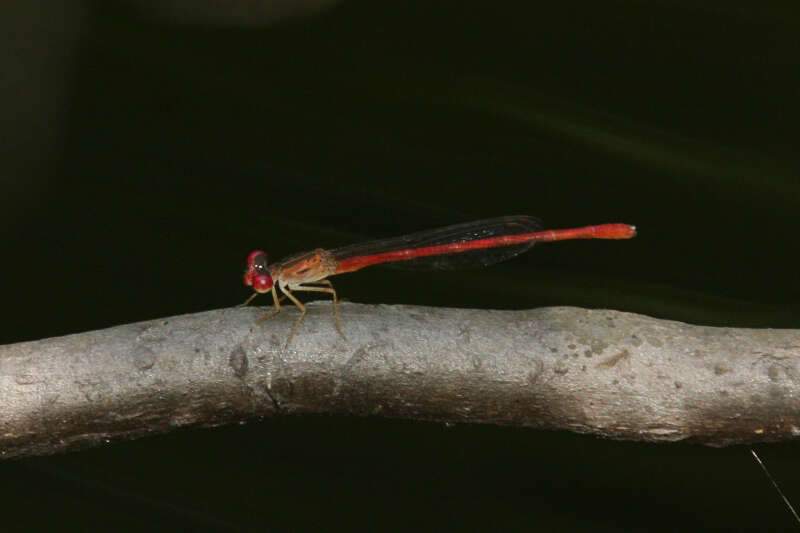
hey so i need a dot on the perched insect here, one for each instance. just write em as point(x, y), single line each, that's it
point(481, 243)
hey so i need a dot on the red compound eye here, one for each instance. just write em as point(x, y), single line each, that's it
point(257, 256)
point(257, 268)
point(262, 283)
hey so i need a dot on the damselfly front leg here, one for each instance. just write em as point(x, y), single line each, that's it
point(275, 311)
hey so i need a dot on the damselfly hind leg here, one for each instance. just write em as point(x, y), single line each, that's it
point(330, 290)
point(327, 289)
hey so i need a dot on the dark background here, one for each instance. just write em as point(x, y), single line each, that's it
point(146, 151)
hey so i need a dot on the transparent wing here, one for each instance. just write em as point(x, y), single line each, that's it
point(443, 248)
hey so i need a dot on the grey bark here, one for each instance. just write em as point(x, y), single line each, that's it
point(613, 374)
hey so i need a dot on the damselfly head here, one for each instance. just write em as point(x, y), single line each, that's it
point(256, 273)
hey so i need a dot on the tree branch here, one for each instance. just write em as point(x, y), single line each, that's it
point(614, 374)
